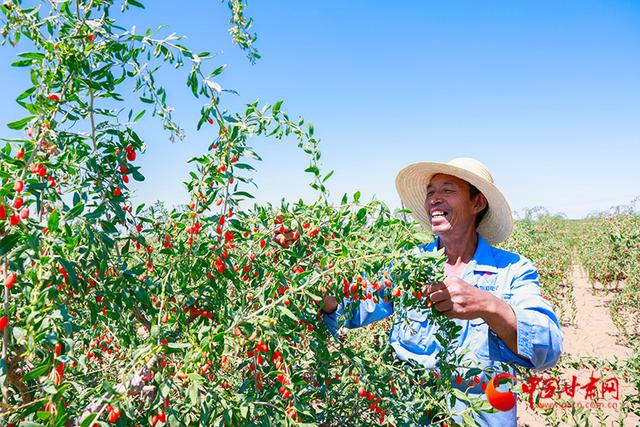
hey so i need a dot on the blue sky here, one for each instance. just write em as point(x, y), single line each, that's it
point(545, 93)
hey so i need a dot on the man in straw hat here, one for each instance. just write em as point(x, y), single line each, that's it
point(493, 294)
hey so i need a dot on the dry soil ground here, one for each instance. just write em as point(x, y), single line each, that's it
point(591, 334)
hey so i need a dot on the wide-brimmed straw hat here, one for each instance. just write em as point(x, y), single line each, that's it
point(412, 182)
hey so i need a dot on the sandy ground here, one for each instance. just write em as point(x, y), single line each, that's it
point(592, 334)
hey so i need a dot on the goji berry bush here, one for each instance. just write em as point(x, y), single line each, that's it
point(604, 245)
point(122, 314)
point(547, 241)
point(609, 252)
point(115, 313)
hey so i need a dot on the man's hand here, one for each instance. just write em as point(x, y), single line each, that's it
point(457, 299)
point(330, 304)
point(285, 237)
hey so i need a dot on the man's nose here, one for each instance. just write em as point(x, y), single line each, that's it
point(432, 201)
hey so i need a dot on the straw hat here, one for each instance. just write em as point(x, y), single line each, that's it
point(412, 182)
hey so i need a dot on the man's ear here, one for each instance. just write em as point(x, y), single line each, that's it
point(480, 203)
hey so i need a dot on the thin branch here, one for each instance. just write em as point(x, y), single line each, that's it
point(6, 337)
point(14, 379)
point(141, 318)
point(93, 124)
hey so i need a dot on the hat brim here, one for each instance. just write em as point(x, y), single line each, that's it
point(412, 182)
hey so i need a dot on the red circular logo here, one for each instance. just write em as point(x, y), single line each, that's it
point(501, 400)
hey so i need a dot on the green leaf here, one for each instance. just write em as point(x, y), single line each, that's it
point(125, 248)
point(218, 70)
point(97, 213)
point(282, 279)
point(276, 107)
point(250, 153)
point(89, 420)
point(22, 63)
point(139, 115)
point(243, 194)
point(193, 392)
point(20, 124)
point(460, 395)
point(54, 220)
point(43, 415)
point(27, 93)
point(314, 170)
point(8, 242)
point(37, 372)
point(174, 347)
point(244, 166)
point(108, 227)
point(31, 55)
point(288, 313)
point(135, 3)
point(468, 420)
point(178, 345)
point(70, 271)
point(137, 175)
point(75, 211)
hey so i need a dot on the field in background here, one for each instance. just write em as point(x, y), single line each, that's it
point(590, 272)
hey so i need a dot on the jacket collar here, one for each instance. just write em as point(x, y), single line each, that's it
point(482, 260)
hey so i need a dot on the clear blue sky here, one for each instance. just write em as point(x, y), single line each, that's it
point(545, 93)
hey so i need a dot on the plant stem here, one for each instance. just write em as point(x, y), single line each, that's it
point(6, 337)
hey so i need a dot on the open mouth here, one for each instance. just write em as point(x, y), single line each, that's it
point(437, 213)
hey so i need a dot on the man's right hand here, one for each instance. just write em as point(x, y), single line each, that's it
point(330, 304)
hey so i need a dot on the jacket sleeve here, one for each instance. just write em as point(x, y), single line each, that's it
point(366, 312)
point(539, 335)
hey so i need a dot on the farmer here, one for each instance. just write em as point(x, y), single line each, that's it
point(493, 294)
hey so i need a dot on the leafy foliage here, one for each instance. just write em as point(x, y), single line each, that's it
point(121, 314)
point(547, 241)
point(610, 244)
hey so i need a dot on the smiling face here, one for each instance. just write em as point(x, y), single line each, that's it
point(450, 206)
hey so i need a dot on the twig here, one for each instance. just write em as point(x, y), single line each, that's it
point(6, 338)
point(141, 318)
point(93, 125)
